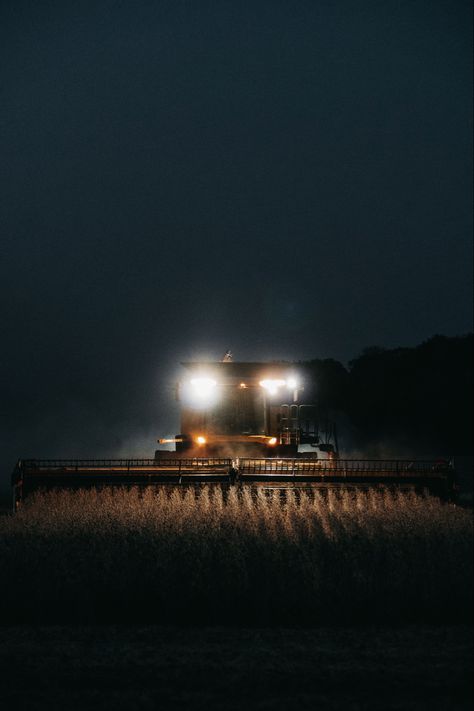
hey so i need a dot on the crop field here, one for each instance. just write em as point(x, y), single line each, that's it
point(238, 557)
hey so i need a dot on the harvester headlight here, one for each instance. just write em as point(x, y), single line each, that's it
point(292, 383)
point(203, 386)
point(200, 393)
point(201, 440)
point(272, 441)
point(271, 386)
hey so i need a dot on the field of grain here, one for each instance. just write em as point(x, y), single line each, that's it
point(212, 557)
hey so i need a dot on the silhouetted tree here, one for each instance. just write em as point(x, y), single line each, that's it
point(419, 397)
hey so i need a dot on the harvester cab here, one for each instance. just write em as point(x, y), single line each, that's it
point(247, 409)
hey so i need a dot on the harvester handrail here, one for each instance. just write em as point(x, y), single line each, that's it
point(297, 466)
point(77, 464)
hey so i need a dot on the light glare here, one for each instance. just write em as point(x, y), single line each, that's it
point(271, 386)
point(203, 386)
point(200, 393)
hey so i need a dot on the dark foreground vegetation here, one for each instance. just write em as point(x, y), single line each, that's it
point(201, 557)
point(147, 668)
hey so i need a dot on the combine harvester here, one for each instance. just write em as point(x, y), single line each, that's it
point(241, 424)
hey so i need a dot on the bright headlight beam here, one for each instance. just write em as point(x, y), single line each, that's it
point(203, 387)
point(271, 386)
point(201, 392)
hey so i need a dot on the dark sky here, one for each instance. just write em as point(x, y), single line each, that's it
point(285, 179)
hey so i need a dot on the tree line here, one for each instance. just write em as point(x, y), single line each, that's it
point(401, 399)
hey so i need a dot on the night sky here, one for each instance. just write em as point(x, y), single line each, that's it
point(284, 179)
